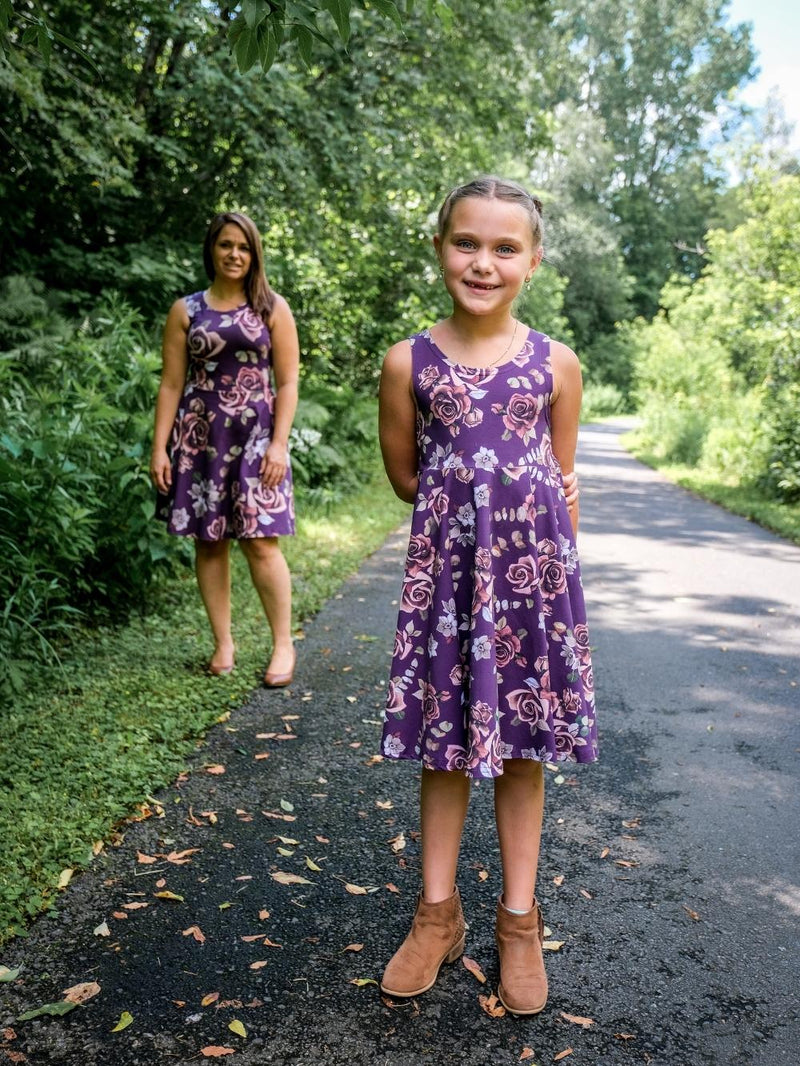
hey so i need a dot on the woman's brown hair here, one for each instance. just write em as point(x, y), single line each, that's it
point(259, 295)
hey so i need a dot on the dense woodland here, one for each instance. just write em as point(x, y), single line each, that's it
point(672, 238)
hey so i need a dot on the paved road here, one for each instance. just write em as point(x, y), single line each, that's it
point(680, 940)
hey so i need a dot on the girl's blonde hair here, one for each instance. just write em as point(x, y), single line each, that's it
point(492, 188)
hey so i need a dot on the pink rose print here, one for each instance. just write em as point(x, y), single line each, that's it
point(251, 325)
point(417, 592)
point(507, 646)
point(456, 757)
point(429, 699)
point(449, 403)
point(395, 701)
point(216, 529)
point(194, 428)
point(202, 344)
point(522, 574)
point(248, 388)
point(421, 553)
point(473, 417)
point(581, 634)
point(429, 376)
point(402, 643)
point(570, 702)
point(521, 414)
point(553, 577)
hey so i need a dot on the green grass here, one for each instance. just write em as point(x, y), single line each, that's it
point(93, 740)
point(746, 500)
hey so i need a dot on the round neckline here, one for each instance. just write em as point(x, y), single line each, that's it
point(475, 369)
point(216, 310)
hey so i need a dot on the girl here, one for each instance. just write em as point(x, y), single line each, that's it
point(226, 474)
point(491, 674)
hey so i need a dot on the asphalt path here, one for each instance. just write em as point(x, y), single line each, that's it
point(670, 870)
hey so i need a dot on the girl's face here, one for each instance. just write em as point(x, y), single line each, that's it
point(231, 253)
point(487, 254)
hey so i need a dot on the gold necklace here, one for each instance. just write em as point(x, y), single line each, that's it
point(504, 352)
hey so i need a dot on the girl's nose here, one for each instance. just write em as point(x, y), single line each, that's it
point(482, 260)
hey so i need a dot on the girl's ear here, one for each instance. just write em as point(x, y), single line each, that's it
point(437, 244)
point(536, 259)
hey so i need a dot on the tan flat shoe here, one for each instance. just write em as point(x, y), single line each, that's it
point(273, 680)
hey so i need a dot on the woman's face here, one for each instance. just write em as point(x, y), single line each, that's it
point(231, 254)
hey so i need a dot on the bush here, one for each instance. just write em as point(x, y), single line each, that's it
point(600, 401)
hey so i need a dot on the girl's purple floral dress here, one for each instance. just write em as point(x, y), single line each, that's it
point(222, 429)
point(491, 658)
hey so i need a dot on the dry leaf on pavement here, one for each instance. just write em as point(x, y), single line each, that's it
point(81, 993)
point(125, 1020)
point(562, 1054)
point(527, 1053)
point(213, 1051)
point(492, 1006)
point(692, 914)
point(361, 981)
point(552, 945)
point(577, 1019)
point(474, 968)
point(196, 932)
point(237, 1027)
point(212, 997)
point(169, 895)
point(258, 965)
point(284, 878)
point(217, 768)
point(354, 947)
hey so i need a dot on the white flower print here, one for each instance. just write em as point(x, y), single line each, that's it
point(462, 525)
point(482, 648)
point(256, 445)
point(482, 495)
point(448, 623)
point(205, 497)
point(485, 459)
point(433, 644)
point(393, 746)
point(180, 519)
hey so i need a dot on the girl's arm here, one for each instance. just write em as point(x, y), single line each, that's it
point(173, 378)
point(397, 416)
point(566, 409)
point(286, 366)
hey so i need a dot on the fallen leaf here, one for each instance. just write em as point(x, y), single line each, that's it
point(65, 877)
point(180, 857)
point(8, 975)
point(161, 882)
point(195, 931)
point(236, 1027)
point(212, 997)
point(251, 939)
point(284, 878)
point(260, 964)
point(169, 895)
point(474, 968)
point(313, 866)
point(148, 860)
point(263, 915)
point(492, 1006)
point(125, 1020)
point(625, 1036)
point(351, 699)
point(135, 906)
point(398, 843)
point(577, 1019)
point(179, 1002)
point(527, 1053)
point(562, 1054)
point(692, 914)
point(230, 847)
point(269, 944)
point(585, 894)
point(214, 1051)
point(384, 805)
point(217, 768)
point(55, 1009)
point(102, 930)
point(322, 840)
point(373, 760)
point(626, 863)
point(355, 890)
point(392, 887)
point(285, 805)
point(482, 875)
point(354, 947)
point(81, 993)
point(224, 906)
point(634, 823)
point(119, 914)
point(282, 817)
point(604, 853)
point(559, 880)
point(261, 755)
point(553, 945)
point(286, 852)
point(361, 981)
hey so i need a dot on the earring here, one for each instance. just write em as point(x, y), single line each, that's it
point(441, 271)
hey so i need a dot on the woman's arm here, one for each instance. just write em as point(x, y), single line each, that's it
point(397, 416)
point(173, 379)
point(286, 366)
point(566, 409)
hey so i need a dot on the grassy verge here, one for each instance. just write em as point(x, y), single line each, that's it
point(746, 500)
point(117, 722)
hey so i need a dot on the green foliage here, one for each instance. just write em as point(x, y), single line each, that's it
point(601, 401)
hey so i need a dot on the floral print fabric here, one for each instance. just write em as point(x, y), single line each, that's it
point(222, 430)
point(491, 657)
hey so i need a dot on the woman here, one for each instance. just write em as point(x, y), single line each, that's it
point(225, 473)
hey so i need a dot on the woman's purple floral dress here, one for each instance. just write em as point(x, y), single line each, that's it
point(491, 658)
point(222, 429)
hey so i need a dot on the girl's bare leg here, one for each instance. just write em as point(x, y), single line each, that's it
point(270, 574)
point(213, 569)
point(519, 806)
point(444, 796)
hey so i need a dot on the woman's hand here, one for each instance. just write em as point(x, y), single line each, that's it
point(161, 470)
point(274, 465)
point(571, 490)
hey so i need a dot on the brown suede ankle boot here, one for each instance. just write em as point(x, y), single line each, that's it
point(523, 981)
point(437, 936)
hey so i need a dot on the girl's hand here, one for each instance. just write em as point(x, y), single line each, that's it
point(571, 489)
point(274, 465)
point(161, 471)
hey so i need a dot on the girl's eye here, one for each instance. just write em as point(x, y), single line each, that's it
point(465, 244)
point(506, 249)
